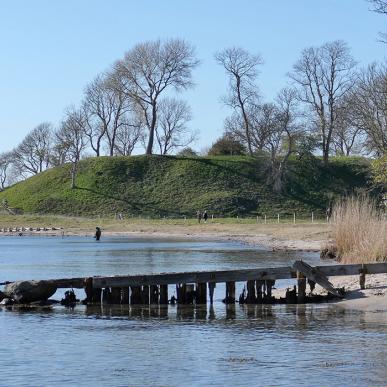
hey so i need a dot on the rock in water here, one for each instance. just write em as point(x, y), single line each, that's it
point(30, 291)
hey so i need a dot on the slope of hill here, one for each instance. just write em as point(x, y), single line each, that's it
point(175, 186)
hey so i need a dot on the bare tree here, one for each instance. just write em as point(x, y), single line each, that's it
point(105, 109)
point(5, 164)
point(32, 155)
point(129, 135)
point(172, 131)
point(347, 138)
point(151, 68)
point(324, 76)
point(282, 132)
point(70, 139)
point(380, 6)
point(369, 107)
point(242, 70)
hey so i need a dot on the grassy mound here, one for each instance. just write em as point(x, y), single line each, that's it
point(176, 186)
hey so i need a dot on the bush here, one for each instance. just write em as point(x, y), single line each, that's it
point(227, 146)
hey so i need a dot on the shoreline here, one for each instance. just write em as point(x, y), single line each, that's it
point(269, 241)
point(271, 237)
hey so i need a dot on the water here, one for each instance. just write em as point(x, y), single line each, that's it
point(224, 345)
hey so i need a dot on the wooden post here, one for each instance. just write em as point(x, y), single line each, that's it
point(259, 285)
point(181, 290)
point(115, 295)
point(362, 278)
point(265, 219)
point(125, 296)
point(230, 292)
point(269, 285)
point(201, 293)
point(154, 294)
point(163, 294)
point(301, 282)
point(135, 297)
point(106, 296)
point(211, 288)
point(250, 299)
point(278, 216)
point(294, 218)
point(145, 295)
point(88, 286)
point(96, 298)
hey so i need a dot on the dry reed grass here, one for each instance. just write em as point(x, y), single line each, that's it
point(359, 231)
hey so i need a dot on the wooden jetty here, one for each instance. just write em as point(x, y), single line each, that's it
point(198, 287)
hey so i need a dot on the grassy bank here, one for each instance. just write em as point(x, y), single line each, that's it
point(159, 186)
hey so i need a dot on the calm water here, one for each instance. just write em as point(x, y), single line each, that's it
point(174, 346)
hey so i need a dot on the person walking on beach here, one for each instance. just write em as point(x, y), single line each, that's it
point(98, 233)
point(199, 216)
point(205, 216)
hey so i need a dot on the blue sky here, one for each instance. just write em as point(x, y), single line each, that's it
point(51, 49)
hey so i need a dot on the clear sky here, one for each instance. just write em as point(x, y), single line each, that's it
point(51, 49)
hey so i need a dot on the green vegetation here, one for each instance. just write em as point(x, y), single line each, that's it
point(176, 186)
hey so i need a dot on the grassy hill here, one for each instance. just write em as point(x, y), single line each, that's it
point(174, 186)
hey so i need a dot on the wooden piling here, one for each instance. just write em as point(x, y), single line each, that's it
point(163, 294)
point(88, 286)
point(260, 291)
point(154, 294)
point(135, 297)
point(211, 288)
point(269, 285)
point(250, 299)
point(362, 278)
point(301, 282)
point(190, 294)
point(115, 295)
point(106, 296)
point(125, 296)
point(181, 290)
point(145, 295)
point(230, 292)
point(201, 293)
point(96, 296)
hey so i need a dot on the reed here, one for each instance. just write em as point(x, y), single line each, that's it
point(359, 231)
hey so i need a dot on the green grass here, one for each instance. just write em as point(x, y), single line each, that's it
point(158, 186)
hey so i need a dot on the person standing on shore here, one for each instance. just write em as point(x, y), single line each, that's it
point(199, 216)
point(205, 216)
point(98, 233)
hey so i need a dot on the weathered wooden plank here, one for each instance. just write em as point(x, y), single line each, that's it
point(303, 269)
point(194, 277)
point(353, 269)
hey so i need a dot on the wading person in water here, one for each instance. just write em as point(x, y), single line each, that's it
point(98, 233)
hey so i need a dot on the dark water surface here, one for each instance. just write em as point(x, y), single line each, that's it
point(178, 346)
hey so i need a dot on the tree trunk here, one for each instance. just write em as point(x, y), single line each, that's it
point(152, 128)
